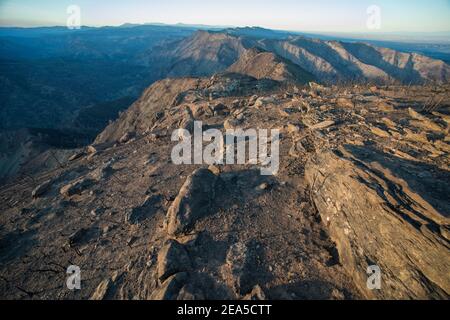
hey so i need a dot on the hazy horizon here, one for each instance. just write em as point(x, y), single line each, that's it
point(321, 16)
point(432, 37)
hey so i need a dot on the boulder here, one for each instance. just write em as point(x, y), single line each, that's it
point(257, 294)
point(231, 124)
point(345, 103)
point(293, 129)
point(322, 125)
point(263, 186)
point(344, 191)
point(107, 288)
point(76, 187)
point(77, 156)
point(93, 149)
point(214, 169)
point(172, 259)
point(126, 137)
point(379, 132)
point(199, 110)
point(219, 109)
point(192, 203)
point(101, 290)
point(316, 86)
point(415, 115)
point(40, 190)
point(236, 104)
point(252, 100)
point(264, 101)
point(171, 288)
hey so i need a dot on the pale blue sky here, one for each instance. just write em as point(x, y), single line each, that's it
point(298, 15)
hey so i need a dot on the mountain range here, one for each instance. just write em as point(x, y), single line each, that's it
point(60, 80)
point(50, 74)
point(208, 52)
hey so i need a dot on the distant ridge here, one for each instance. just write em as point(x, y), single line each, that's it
point(261, 64)
point(206, 52)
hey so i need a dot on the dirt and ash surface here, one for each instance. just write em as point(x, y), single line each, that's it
point(363, 180)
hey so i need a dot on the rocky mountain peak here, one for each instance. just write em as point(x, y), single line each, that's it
point(262, 64)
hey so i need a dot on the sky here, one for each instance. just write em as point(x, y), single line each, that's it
point(292, 15)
